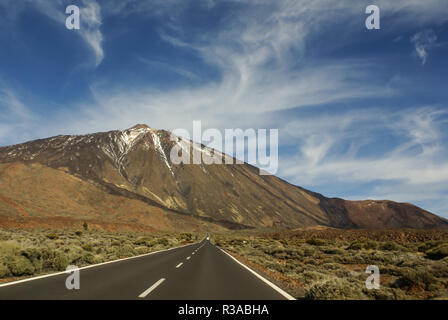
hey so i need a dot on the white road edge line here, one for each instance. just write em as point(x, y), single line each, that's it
point(92, 266)
point(178, 266)
point(148, 291)
point(269, 283)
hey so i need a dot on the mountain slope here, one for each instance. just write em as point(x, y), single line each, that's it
point(33, 195)
point(134, 164)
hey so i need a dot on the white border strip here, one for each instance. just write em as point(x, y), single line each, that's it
point(91, 266)
point(269, 283)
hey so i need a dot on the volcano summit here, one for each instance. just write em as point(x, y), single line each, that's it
point(125, 180)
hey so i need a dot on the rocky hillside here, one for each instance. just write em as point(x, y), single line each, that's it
point(126, 178)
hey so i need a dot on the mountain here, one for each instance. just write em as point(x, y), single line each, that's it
point(125, 180)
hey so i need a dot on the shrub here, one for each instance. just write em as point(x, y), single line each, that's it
point(19, 266)
point(438, 252)
point(162, 241)
point(143, 240)
point(125, 251)
point(415, 279)
point(394, 270)
point(31, 253)
point(279, 254)
point(9, 248)
point(312, 276)
point(236, 242)
point(331, 266)
point(385, 293)
point(186, 236)
point(60, 261)
point(370, 245)
point(87, 247)
point(4, 271)
point(142, 250)
point(35, 256)
point(309, 252)
point(86, 258)
point(335, 289)
point(430, 245)
point(355, 246)
point(333, 251)
point(52, 236)
point(440, 269)
point(316, 242)
point(391, 246)
point(362, 244)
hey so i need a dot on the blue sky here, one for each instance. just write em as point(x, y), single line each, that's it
point(361, 113)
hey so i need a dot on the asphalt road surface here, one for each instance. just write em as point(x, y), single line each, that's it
point(199, 271)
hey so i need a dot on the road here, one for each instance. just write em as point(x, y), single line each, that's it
point(200, 271)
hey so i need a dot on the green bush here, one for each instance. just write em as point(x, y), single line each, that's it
point(416, 279)
point(355, 246)
point(309, 252)
point(35, 256)
point(333, 251)
point(316, 242)
point(60, 261)
point(142, 249)
point(19, 266)
point(438, 252)
point(9, 248)
point(236, 242)
point(186, 236)
point(87, 247)
point(125, 251)
point(335, 289)
point(391, 246)
point(370, 245)
point(162, 241)
point(362, 244)
point(312, 276)
point(52, 236)
point(385, 293)
point(430, 245)
point(4, 271)
point(143, 240)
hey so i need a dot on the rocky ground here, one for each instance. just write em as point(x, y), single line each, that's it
point(320, 263)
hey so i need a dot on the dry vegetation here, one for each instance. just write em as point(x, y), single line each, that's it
point(316, 265)
point(29, 252)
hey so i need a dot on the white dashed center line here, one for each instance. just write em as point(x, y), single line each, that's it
point(178, 266)
point(148, 291)
point(188, 258)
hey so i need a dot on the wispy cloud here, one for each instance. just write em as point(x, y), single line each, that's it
point(16, 120)
point(90, 28)
point(423, 43)
point(408, 156)
point(154, 64)
point(91, 18)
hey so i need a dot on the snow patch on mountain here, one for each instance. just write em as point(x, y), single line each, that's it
point(121, 143)
point(160, 151)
